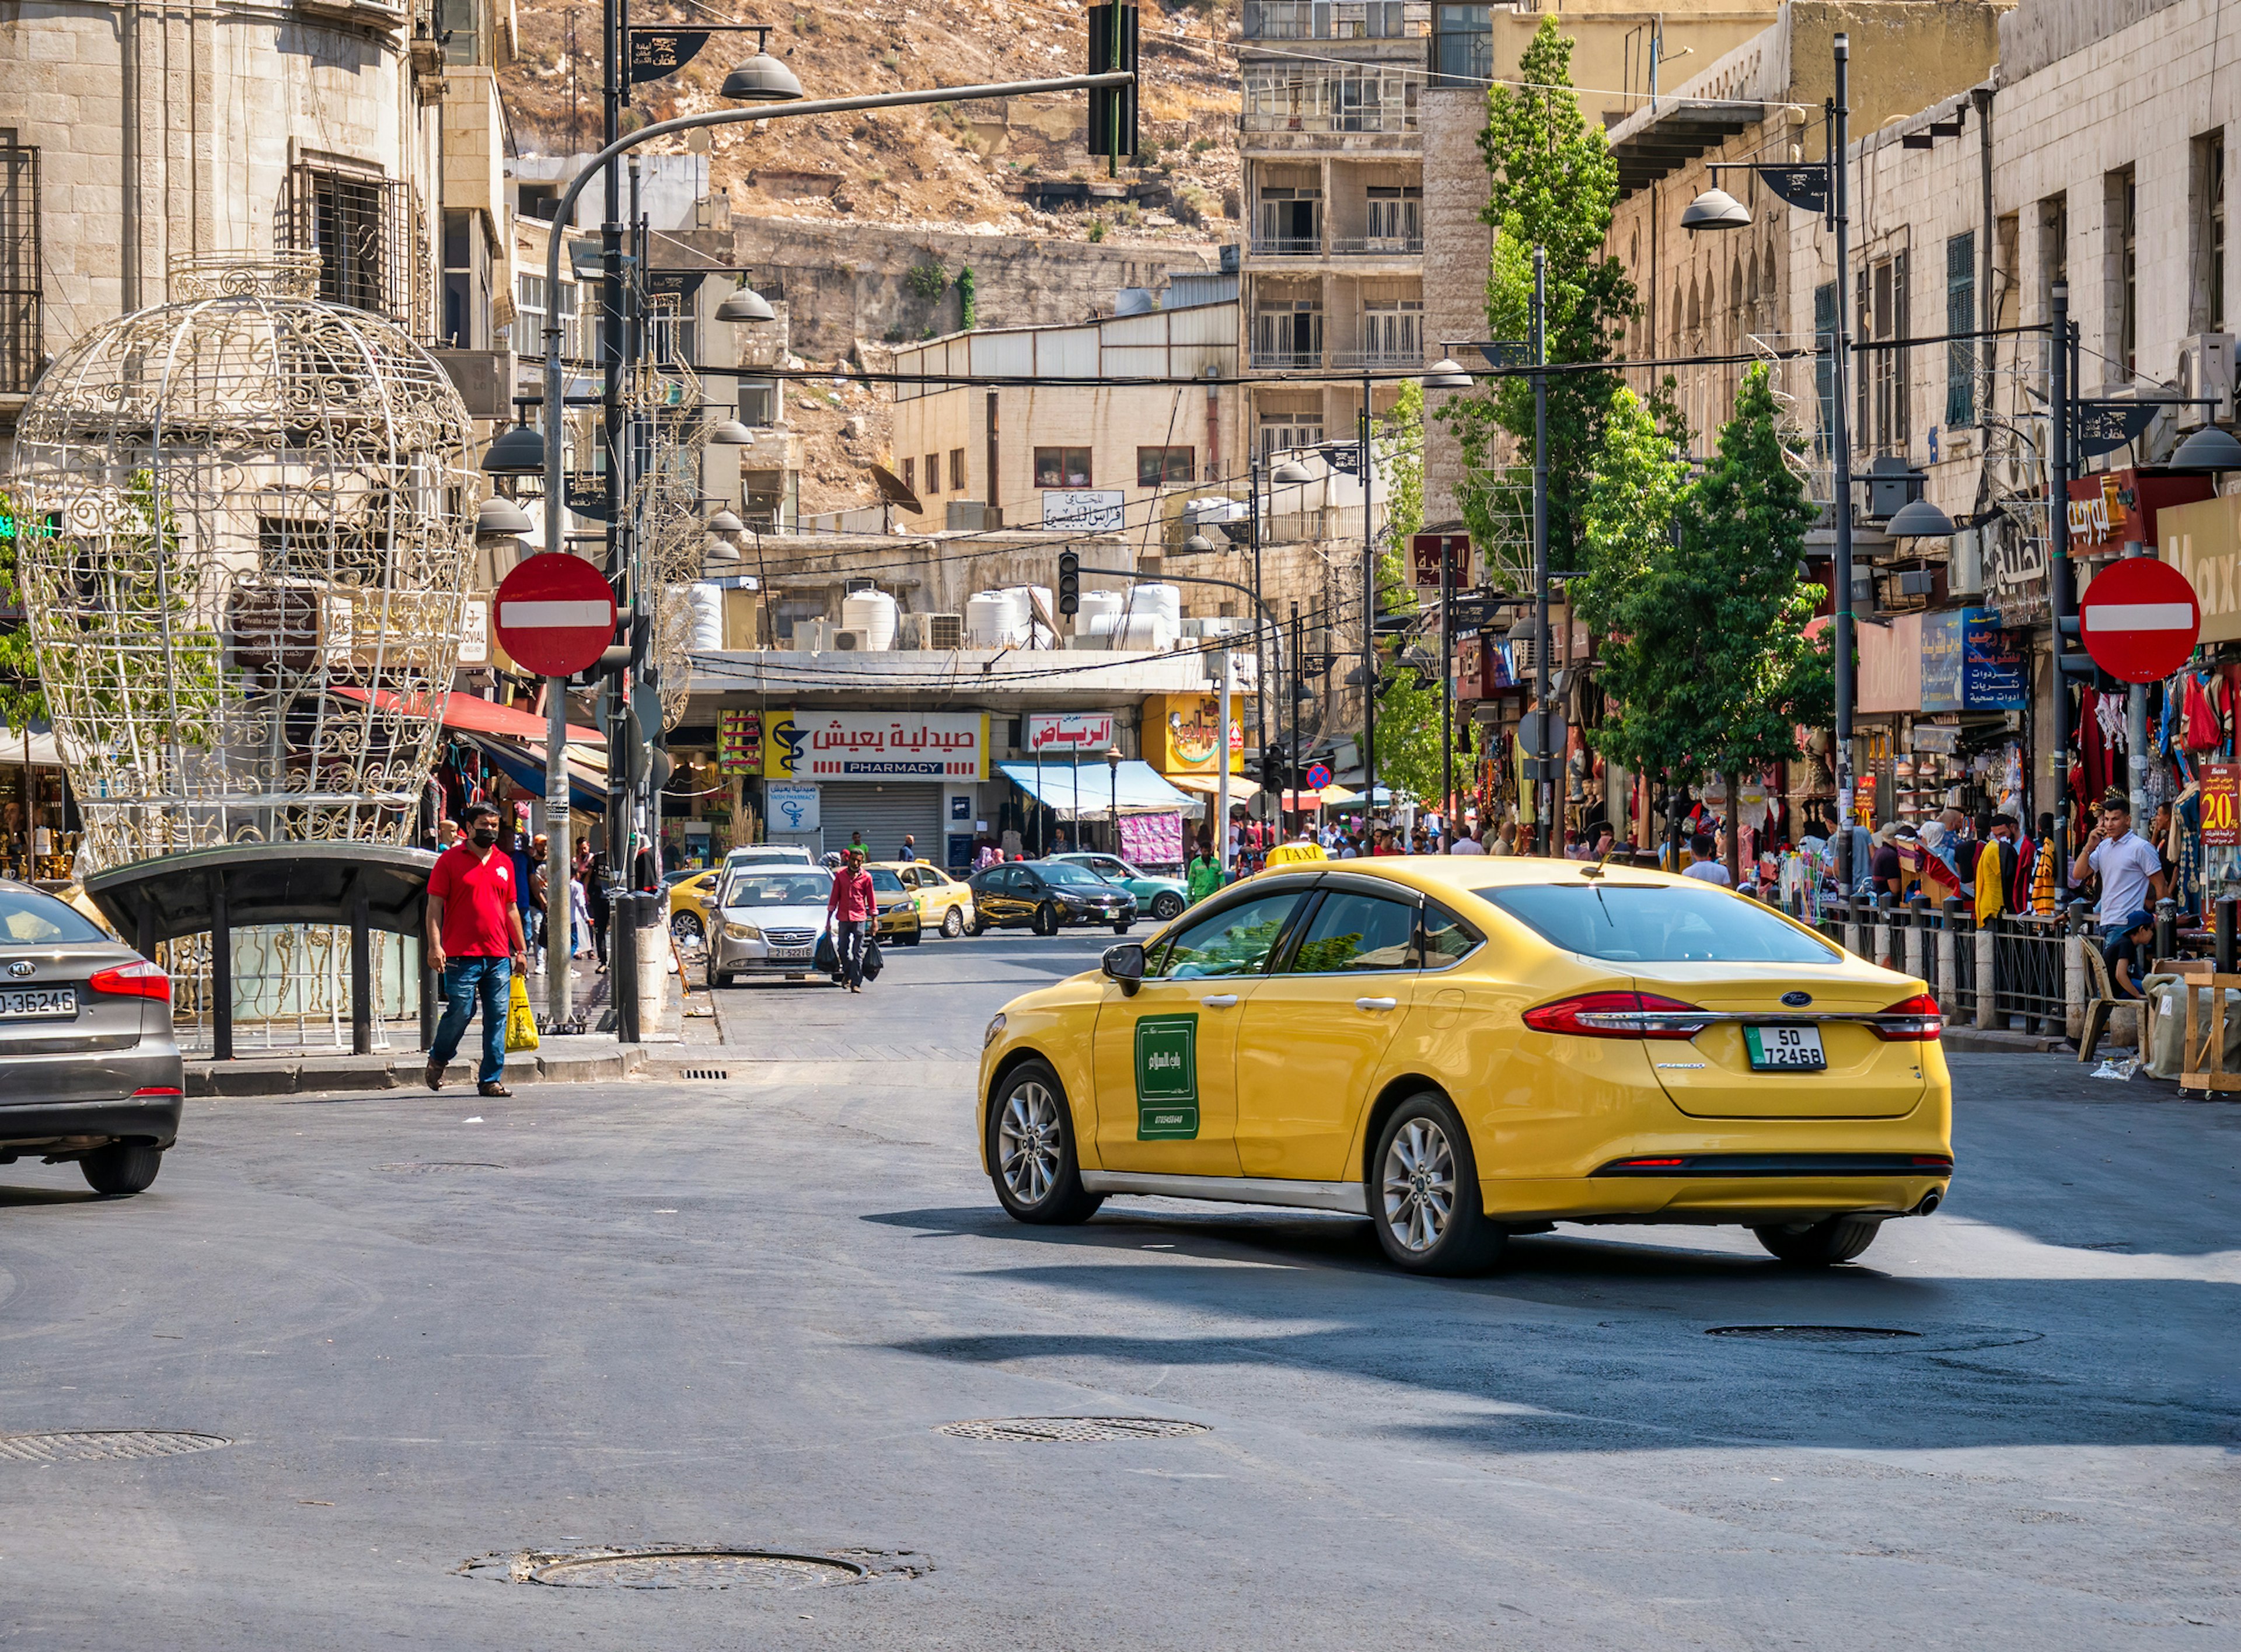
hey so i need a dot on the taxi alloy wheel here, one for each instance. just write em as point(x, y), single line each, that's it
point(688, 930)
point(1425, 1200)
point(1036, 1176)
point(952, 924)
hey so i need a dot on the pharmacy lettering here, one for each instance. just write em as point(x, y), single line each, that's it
point(1166, 1077)
point(876, 746)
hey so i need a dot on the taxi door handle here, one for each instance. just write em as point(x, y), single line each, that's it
point(1220, 1000)
point(1377, 1003)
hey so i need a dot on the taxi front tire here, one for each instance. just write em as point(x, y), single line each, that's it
point(1033, 1163)
point(1424, 1196)
point(1820, 1244)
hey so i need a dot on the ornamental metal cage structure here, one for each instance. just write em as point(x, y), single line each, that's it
point(246, 527)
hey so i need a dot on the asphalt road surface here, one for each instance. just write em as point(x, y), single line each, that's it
point(737, 1313)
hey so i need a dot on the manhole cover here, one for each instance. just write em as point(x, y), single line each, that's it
point(1076, 1430)
point(1809, 1332)
point(690, 1566)
point(439, 1167)
point(707, 1073)
point(105, 1445)
point(696, 1569)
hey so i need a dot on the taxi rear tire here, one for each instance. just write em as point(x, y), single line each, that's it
point(1820, 1244)
point(1032, 1159)
point(952, 924)
point(1423, 1193)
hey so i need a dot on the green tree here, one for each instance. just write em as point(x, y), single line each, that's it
point(1552, 184)
point(1708, 661)
point(968, 300)
point(22, 701)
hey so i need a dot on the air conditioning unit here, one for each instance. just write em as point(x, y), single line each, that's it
point(945, 632)
point(1964, 569)
point(2205, 369)
point(851, 642)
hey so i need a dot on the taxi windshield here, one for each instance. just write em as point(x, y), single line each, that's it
point(886, 881)
point(807, 888)
point(1657, 924)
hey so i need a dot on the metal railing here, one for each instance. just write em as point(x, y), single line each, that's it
point(1287, 357)
point(22, 293)
point(1366, 246)
point(1287, 247)
point(1358, 359)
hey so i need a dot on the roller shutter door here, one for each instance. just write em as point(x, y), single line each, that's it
point(883, 810)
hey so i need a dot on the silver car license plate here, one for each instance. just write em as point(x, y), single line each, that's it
point(39, 1004)
point(788, 954)
point(1785, 1049)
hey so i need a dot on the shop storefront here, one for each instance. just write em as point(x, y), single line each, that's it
point(831, 778)
point(38, 825)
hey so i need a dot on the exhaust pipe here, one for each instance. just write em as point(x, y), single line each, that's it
point(1930, 1201)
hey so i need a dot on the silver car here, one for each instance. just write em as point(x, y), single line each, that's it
point(88, 1065)
point(765, 920)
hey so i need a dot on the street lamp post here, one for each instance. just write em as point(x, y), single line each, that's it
point(1544, 790)
point(1113, 800)
point(1368, 623)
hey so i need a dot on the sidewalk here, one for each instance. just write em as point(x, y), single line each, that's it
point(563, 1057)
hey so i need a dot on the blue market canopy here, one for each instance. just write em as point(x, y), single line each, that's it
point(1091, 792)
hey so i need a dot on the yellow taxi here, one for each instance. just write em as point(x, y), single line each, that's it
point(689, 893)
point(1462, 1050)
point(944, 903)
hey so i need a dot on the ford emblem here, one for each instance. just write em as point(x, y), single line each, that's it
point(1797, 1000)
point(22, 966)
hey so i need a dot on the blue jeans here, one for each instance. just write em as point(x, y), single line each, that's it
point(848, 937)
point(465, 981)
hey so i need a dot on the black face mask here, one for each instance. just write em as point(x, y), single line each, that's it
point(486, 836)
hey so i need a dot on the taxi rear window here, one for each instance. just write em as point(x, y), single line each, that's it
point(1657, 924)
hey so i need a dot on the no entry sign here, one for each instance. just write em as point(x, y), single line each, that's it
point(556, 614)
point(2139, 619)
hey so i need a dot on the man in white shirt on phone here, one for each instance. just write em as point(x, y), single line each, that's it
point(2131, 871)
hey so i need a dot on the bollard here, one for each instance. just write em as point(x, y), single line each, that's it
point(1885, 904)
point(1853, 943)
point(652, 940)
point(622, 967)
point(2224, 962)
point(2166, 928)
point(1917, 936)
point(1987, 987)
point(1949, 976)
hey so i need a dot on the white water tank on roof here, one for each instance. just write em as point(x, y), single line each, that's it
point(995, 619)
point(873, 613)
point(1096, 605)
point(705, 603)
point(1165, 600)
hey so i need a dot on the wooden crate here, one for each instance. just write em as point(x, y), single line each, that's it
point(2201, 1058)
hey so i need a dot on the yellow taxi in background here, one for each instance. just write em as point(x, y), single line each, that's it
point(1465, 1049)
point(944, 904)
point(689, 894)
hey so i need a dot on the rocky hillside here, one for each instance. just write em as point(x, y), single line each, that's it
point(953, 166)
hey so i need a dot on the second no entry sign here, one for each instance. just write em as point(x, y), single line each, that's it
point(555, 614)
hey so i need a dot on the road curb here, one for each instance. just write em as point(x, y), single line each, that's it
point(315, 1076)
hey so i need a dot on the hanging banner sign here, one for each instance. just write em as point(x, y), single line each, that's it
point(657, 52)
point(2221, 805)
point(739, 742)
point(680, 285)
point(1969, 664)
point(1424, 552)
point(587, 494)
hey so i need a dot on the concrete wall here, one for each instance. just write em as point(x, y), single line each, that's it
point(1458, 252)
point(848, 281)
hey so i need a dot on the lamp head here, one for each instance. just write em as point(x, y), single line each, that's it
point(744, 303)
point(761, 79)
point(2208, 448)
point(1291, 473)
point(726, 521)
point(500, 518)
point(1920, 520)
point(519, 451)
point(729, 432)
point(1198, 544)
point(1715, 209)
point(1448, 373)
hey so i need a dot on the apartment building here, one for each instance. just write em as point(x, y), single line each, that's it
point(367, 132)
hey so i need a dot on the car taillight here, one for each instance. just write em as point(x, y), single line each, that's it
point(1618, 1015)
point(138, 979)
point(157, 1092)
point(1918, 1020)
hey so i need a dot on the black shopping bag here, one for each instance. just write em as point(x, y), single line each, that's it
point(828, 955)
point(873, 962)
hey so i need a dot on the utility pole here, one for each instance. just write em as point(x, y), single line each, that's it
point(1446, 690)
point(1369, 624)
point(1840, 430)
point(1543, 789)
point(1222, 763)
point(2057, 577)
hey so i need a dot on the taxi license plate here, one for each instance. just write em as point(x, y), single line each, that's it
point(39, 1004)
point(1785, 1049)
point(785, 953)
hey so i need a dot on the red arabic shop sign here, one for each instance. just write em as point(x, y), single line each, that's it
point(2117, 508)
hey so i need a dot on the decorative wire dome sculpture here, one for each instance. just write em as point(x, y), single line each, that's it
point(248, 518)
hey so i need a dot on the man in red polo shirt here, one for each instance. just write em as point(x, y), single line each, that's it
point(475, 939)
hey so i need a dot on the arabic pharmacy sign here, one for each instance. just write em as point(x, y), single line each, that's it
point(876, 746)
point(1064, 732)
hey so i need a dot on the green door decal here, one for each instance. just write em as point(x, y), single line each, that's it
point(1166, 1077)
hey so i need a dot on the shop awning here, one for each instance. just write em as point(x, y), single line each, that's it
point(1209, 786)
point(1090, 792)
point(525, 767)
point(44, 753)
point(471, 716)
point(1330, 796)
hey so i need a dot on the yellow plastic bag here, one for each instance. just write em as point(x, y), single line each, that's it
point(520, 1019)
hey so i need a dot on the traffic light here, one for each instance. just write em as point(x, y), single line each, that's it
point(1069, 583)
point(1112, 109)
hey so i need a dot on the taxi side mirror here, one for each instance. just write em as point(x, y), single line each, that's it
point(1125, 964)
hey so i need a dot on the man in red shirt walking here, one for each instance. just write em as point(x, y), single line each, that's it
point(474, 938)
point(853, 909)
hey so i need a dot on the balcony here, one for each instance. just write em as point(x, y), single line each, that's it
point(22, 294)
point(1322, 20)
point(1270, 356)
point(1288, 246)
point(1376, 246)
point(1400, 356)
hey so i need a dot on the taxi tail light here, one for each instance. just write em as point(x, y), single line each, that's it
point(138, 979)
point(1917, 1020)
point(1618, 1015)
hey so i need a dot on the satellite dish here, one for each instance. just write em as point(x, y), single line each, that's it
point(894, 491)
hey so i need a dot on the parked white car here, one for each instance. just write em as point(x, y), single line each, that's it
point(766, 921)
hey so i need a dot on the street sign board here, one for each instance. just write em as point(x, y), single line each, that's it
point(1424, 552)
point(2139, 619)
point(1318, 776)
point(556, 614)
